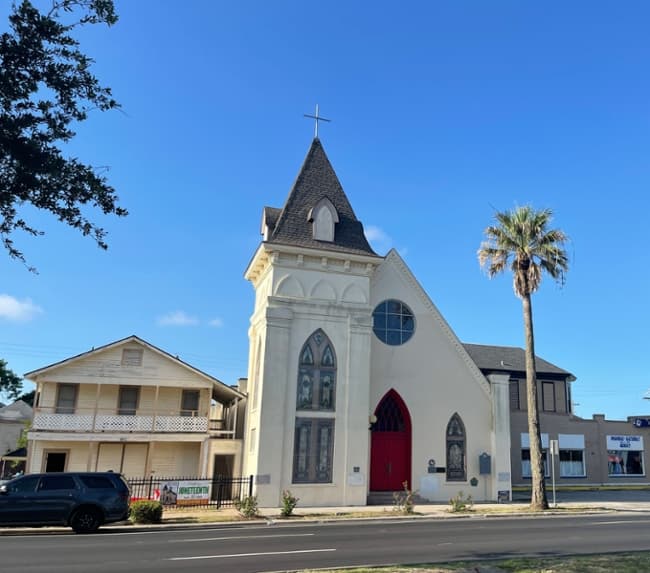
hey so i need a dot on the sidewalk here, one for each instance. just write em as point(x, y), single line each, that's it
point(206, 517)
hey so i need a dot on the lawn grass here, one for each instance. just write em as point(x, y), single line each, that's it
point(617, 562)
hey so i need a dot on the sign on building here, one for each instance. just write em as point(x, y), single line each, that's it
point(634, 443)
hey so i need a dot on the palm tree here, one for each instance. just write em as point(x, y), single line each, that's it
point(522, 242)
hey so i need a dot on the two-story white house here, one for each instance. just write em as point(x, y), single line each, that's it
point(132, 408)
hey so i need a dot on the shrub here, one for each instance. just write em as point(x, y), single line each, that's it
point(247, 506)
point(145, 511)
point(289, 502)
point(403, 501)
point(460, 503)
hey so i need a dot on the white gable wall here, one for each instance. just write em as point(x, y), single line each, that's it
point(106, 368)
point(432, 375)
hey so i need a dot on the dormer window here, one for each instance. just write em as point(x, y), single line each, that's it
point(323, 217)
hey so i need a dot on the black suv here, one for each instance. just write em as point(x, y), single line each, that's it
point(82, 500)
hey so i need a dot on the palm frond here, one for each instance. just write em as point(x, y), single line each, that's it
point(522, 240)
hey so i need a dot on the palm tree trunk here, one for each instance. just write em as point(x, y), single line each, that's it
point(538, 500)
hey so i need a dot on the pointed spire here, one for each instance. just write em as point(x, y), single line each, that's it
point(317, 181)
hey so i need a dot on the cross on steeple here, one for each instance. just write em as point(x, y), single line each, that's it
point(317, 118)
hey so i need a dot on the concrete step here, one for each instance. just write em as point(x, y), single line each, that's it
point(388, 498)
point(380, 498)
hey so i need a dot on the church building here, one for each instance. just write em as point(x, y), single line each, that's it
point(357, 384)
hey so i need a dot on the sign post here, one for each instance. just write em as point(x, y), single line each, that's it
point(554, 447)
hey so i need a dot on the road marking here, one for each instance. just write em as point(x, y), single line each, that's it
point(445, 543)
point(625, 521)
point(249, 554)
point(242, 537)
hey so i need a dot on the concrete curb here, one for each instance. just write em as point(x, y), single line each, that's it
point(274, 520)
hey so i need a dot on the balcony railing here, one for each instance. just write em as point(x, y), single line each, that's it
point(102, 420)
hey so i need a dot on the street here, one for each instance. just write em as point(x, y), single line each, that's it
point(289, 546)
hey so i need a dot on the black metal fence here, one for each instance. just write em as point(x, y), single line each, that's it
point(179, 492)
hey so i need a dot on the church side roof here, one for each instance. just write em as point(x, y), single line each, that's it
point(316, 181)
point(509, 359)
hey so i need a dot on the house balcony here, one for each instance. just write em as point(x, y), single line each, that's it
point(104, 420)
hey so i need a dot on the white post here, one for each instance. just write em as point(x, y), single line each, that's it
point(554, 451)
point(234, 423)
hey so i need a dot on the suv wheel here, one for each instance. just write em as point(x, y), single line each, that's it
point(85, 520)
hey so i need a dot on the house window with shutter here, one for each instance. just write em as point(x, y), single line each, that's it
point(128, 400)
point(514, 395)
point(548, 396)
point(66, 398)
point(190, 403)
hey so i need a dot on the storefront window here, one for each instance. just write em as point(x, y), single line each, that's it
point(572, 463)
point(625, 455)
point(572, 455)
point(622, 462)
point(525, 464)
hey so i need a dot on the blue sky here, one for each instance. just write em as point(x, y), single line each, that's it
point(442, 112)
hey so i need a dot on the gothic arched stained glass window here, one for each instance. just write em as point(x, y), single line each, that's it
point(316, 389)
point(456, 450)
point(313, 448)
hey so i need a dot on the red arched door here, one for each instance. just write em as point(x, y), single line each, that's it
point(390, 446)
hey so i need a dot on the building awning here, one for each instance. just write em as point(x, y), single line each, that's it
point(18, 455)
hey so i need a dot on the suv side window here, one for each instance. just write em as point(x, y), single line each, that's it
point(24, 485)
point(97, 482)
point(56, 482)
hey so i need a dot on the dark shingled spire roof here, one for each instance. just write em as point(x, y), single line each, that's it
point(316, 180)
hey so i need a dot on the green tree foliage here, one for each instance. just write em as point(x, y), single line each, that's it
point(522, 242)
point(10, 382)
point(28, 397)
point(46, 86)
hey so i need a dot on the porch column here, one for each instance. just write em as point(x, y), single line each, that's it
point(89, 457)
point(234, 418)
point(97, 396)
point(204, 459)
point(149, 461)
point(155, 409)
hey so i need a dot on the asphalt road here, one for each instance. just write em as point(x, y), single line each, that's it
point(286, 546)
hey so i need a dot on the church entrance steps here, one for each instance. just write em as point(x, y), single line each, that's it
point(388, 498)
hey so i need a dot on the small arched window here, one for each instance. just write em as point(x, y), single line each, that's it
point(323, 218)
point(456, 450)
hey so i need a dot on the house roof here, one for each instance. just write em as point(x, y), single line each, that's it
point(220, 390)
point(16, 412)
point(510, 359)
point(316, 181)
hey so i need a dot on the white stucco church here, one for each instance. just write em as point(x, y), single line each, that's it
point(356, 382)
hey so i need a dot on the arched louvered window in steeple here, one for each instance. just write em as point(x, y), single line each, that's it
point(323, 218)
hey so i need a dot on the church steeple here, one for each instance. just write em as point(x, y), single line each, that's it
point(317, 213)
